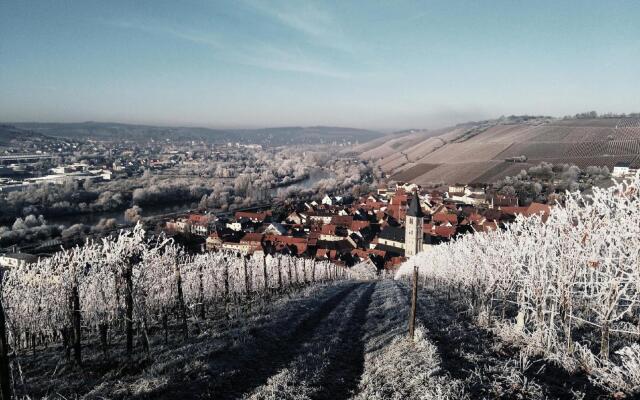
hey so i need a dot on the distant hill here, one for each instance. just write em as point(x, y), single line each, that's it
point(487, 151)
point(11, 135)
point(266, 136)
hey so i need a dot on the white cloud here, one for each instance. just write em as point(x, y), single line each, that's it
point(254, 54)
point(280, 59)
point(319, 26)
point(159, 29)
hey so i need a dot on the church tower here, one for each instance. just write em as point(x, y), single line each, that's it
point(413, 228)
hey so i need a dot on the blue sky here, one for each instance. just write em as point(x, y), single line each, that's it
point(372, 64)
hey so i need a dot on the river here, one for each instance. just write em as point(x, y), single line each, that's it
point(151, 211)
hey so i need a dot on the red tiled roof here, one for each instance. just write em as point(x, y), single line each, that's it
point(445, 231)
point(475, 217)
point(252, 237)
point(345, 220)
point(328, 229)
point(513, 210)
point(286, 239)
point(198, 218)
point(399, 199)
point(301, 248)
point(532, 209)
point(257, 216)
point(397, 211)
point(503, 200)
point(486, 227)
point(358, 225)
point(364, 253)
point(444, 218)
point(538, 209)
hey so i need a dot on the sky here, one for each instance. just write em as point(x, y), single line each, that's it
point(383, 65)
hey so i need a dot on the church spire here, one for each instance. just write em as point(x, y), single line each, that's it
point(413, 228)
point(414, 207)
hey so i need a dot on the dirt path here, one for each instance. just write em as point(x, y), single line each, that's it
point(329, 363)
point(361, 351)
point(350, 344)
point(235, 371)
point(396, 368)
point(347, 343)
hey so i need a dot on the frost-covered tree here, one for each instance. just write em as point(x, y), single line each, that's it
point(560, 280)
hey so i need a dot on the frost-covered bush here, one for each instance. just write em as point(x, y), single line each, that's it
point(160, 277)
point(364, 271)
point(564, 281)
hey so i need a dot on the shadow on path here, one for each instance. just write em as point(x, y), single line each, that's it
point(346, 362)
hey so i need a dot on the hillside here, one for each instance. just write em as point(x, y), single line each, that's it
point(480, 151)
point(266, 136)
point(11, 136)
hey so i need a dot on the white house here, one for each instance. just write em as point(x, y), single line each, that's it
point(275, 228)
point(200, 229)
point(331, 200)
point(296, 218)
point(621, 169)
point(409, 187)
point(468, 194)
point(328, 200)
point(14, 260)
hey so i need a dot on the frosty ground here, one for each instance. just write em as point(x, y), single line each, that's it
point(337, 341)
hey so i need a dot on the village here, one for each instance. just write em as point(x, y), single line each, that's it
point(381, 228)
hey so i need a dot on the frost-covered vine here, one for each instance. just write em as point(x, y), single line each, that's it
point(567, 285)
point(128, 281)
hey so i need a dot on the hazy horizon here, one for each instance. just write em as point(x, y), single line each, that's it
point(248, 64)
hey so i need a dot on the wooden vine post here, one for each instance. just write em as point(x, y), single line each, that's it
point(180, 299)
point(77, 324)
point(290, 272)
point(414, 301)
point(279, 274)
point(247, 284)
point(128, 303)
point(265, 278)
point(5, 368)
point(226, 288)
point(203, 311)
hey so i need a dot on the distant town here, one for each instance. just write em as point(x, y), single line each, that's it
point(319, 201)
point(347, 230)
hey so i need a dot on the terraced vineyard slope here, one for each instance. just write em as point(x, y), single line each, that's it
point(487, 151)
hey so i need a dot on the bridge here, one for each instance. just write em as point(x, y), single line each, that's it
point(24, 158)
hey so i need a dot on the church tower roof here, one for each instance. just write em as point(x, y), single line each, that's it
point(414, 207)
